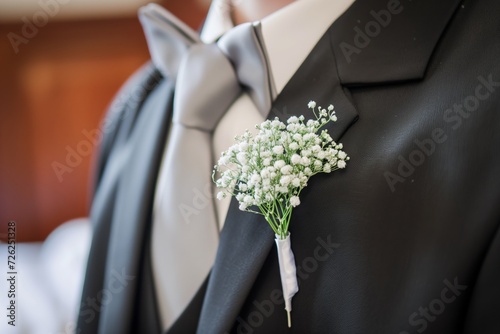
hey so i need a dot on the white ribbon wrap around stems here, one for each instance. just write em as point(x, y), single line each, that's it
point(288, 272)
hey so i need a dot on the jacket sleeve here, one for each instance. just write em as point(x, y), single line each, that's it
point(121, 115)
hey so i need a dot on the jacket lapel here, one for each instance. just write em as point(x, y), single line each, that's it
point(387, 41)
point(399, 52)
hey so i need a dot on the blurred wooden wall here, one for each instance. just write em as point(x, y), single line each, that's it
point(55, 87)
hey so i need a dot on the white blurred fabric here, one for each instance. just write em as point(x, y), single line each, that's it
point(49, 281)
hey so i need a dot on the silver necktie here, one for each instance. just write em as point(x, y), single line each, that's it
point(209, 77)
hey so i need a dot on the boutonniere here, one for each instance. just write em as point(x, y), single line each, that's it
point(266, 173)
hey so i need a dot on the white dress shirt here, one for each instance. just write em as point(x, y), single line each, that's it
point(289, 36)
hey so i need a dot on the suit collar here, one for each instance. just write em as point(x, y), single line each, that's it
point(325, 76)
point(384, 41)
point(377, 41)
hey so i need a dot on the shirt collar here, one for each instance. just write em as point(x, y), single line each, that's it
point(217, 22)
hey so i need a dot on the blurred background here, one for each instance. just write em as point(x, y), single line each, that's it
point(61, 62)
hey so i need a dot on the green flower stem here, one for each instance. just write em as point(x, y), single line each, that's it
point(278, 216)
point(269, 218)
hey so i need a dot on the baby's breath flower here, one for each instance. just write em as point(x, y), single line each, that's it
point(243, 146)
point(294, 200)
point(275, 164)
point(242, 158)
point(306, 153)
point(278, 149)
point(283, 190)
point(255, 178)
point(285, 180)
point(287, 169)
point(295, 159)
point(305, 161)
point(278, 164)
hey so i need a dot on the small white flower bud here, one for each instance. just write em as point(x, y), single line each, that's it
point(294, 200)
point(278, 149)
point(296, 159)
point(278, 164)
point(285, 170)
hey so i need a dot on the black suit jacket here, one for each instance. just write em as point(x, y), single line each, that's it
point(404, 240)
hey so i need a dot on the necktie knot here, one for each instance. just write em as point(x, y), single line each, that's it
point(209, 76)
point(205, 88)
